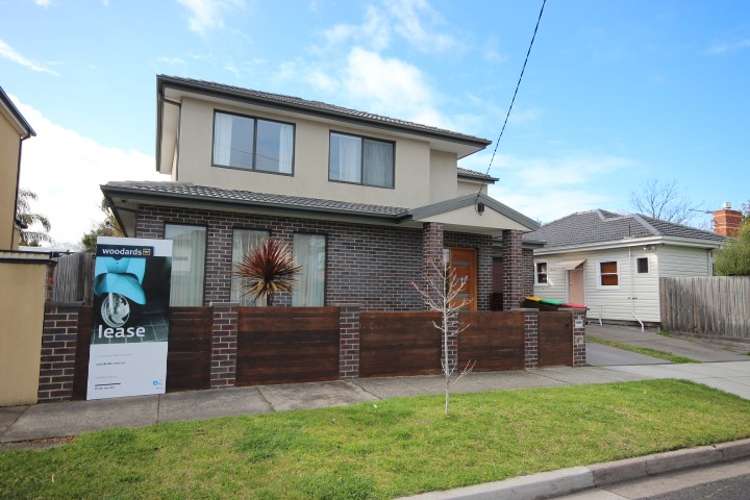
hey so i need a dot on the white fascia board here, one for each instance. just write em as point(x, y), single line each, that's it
point(635, 242)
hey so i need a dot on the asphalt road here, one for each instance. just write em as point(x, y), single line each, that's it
point(735, 488)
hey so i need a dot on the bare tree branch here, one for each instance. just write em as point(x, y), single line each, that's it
point(663, 200)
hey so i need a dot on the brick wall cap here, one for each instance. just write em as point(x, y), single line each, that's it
point(525, 309)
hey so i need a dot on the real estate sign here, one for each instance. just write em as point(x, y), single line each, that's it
point(130, 327)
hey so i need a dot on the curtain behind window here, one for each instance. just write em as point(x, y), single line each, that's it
point(378, 159)
point(233, 140)
point(346, 158)
point(310, 253)
point(244, 241)
point(188, 260)
point(275, 145)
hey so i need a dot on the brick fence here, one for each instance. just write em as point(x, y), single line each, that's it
point(58, 355)
point(60, 337)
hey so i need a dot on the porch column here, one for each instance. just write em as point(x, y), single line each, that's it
point(432, 249)
point(224, 344)
point(512, 269)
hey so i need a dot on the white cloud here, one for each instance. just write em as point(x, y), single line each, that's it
point(550, 187)
point(42, 3)
point(206, 15)
point(173, 61)
point(374, 32)
point(723, 48)
point(417, 22)
point(322, 81)
point(390, 86)
point(9, 53)
point(65, 169)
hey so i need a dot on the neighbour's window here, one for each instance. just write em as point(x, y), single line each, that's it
point(642, 263)
point(541, 273)
point(244, 242)
point(608, 274)
point(253, 144)
point(360, 160)
point(188, 261)
point(310, 254)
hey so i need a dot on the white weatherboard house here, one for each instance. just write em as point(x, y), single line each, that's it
point(612, 262)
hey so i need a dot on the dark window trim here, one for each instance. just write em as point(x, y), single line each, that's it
point(255, 142)
point(362, 160)
point(205, 252)
point(325, 258)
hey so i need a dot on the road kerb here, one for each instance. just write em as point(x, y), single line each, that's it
point(571, 480)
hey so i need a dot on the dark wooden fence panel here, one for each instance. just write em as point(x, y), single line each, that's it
point(287, 344)
point(73, 278)
point(81, 374)
point(555, 338)
point(493, 341)
point(189, 353)
point(398, 343)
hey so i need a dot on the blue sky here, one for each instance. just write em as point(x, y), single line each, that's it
point(616, 92)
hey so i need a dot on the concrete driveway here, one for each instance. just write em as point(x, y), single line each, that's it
point(600, 355)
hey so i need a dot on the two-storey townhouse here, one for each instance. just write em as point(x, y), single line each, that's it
point(364, 201)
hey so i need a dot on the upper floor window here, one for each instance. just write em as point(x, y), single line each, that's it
point(361, 160)
point(252, 143)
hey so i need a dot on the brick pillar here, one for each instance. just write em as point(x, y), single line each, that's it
point(432, 249)
point(512, 269)
point(349, 340)
point(530, 337)
point(579, 336)
point(58, 355)
point(224, 345)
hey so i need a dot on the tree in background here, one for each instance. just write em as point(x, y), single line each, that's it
point(108, 227)
point(662, 200)
point(28, 219)
point(734, 258)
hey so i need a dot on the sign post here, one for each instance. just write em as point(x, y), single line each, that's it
point(129, 340)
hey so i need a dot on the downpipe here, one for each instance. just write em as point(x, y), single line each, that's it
point(632, 289)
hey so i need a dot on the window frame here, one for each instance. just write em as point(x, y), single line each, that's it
point(638, 267)
point(325, 264)
point(205, 255)
point(599, 283)
point(362, 159)
point(255, 119)
point(536, 272)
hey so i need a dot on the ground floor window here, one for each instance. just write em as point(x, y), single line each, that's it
point(245, 242)
point(310, 253)
point(188, 263)
point(608, 274)
point(541, 273)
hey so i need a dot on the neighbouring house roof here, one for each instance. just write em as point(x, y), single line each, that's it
point(13, 111)
point(196, 193)
point(297, 103)
point(473, 174)
point(600, 226)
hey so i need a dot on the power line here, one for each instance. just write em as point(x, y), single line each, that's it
point(515, 92)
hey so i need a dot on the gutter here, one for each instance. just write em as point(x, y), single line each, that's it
point(650, 240)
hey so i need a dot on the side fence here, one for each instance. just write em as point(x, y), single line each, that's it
point(716, 306)
point(226, 345)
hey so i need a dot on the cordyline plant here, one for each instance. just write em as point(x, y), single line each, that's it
point(268, 270)
point(441, 294)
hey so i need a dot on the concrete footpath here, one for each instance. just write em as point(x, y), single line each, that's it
point(70, 418)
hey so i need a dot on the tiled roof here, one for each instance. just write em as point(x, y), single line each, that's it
point(207, 193)
point(317, 106)
point(473, 174)
point(598, 226)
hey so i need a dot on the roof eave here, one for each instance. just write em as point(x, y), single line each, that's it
point(166, 80)
point(630, 242)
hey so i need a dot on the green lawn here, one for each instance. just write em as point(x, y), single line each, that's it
point(646, 351)
point(395, 447)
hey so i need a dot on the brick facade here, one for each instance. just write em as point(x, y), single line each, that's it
point(512, 269)
point(58, 354)
point(371, 265)
point(579, 336)
point(528, 271)
point(531, 337)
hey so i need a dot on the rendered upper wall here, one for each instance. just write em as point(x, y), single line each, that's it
point(9, 150)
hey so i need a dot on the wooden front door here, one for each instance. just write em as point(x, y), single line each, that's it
point(575, 286)
point(464, 262)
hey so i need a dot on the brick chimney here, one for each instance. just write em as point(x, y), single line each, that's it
point(727, 222)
